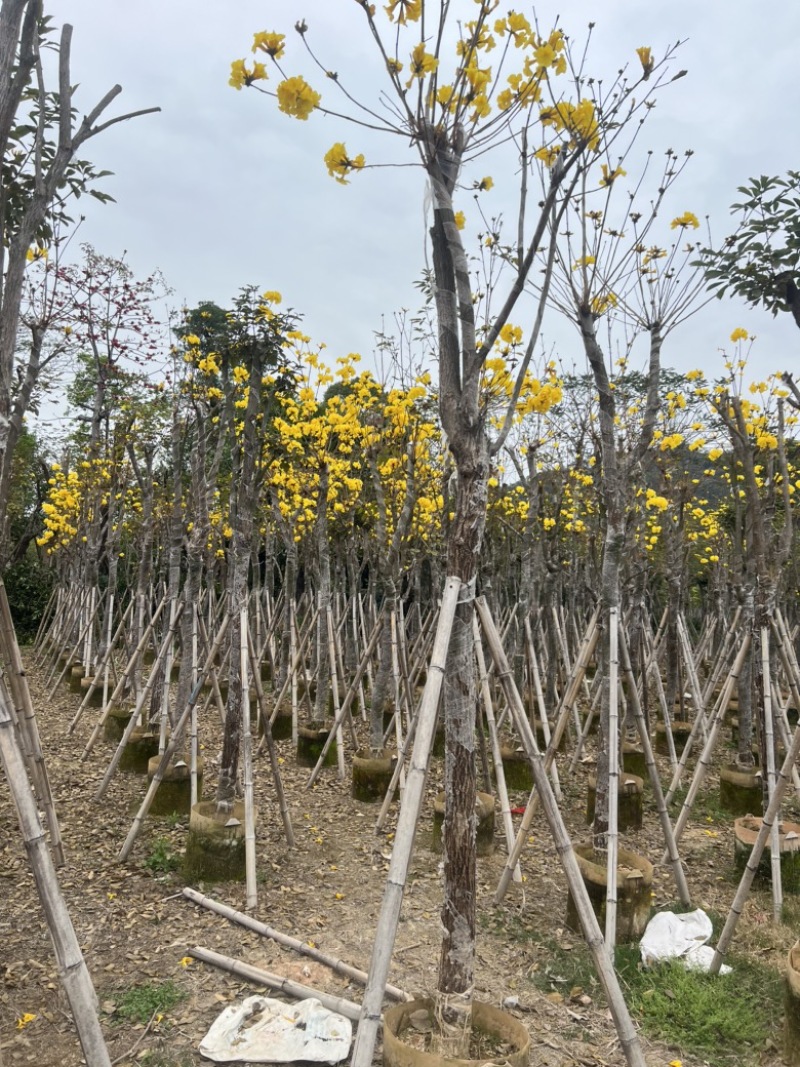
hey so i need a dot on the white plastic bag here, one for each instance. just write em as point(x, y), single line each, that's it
point(261, 1030)
point(669, 936)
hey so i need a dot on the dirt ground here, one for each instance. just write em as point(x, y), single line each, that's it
point(135, 927)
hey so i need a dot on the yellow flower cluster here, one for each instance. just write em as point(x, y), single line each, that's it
point(61, 509)
point(340, 164)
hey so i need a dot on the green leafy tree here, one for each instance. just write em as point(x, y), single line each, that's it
point(759, 262)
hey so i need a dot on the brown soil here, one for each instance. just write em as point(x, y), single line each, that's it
point(135, 927)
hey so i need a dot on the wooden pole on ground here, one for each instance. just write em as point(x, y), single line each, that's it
point(302, 947)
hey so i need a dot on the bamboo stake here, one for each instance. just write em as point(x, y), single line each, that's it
point(121, 684)
point(537, 683)
point(251, 889)
point(274, 981)
point(590, 642)
point(348, 700)
point(44, 622)
point(694, 682)
point(655, 672)
point(104, 664)
point(655, 781)
point(370, 1015)
point(68, 664)
point(66, 620)
point(612, 835)
point(213, 673)
point(302, 947)
point(628, 1038)
point(28, 726)
point(49, 627)
point(72, 968)
point(769, 745)
point(494, 740)
point(596, 694)
point(704, 762)
point(399, 697)
point(169, 751)
point(291, 676)
point(88, 650)
point(112, 767)
point(272, 752)
point(754, 859)
point(335, 693)
point(722, 658)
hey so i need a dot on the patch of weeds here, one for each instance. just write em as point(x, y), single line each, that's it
point(139, 1003)
point(175, 819)
point(162, 860)
point(724, 1018)
point(790, 912)
point(706, 807)
point(164, 1058)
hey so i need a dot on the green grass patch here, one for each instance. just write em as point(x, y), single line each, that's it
point(705, 810)
point(723, 1019)
point(139, 1003)
point(164, 1058)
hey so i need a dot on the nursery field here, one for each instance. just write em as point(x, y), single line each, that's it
point(137, 930)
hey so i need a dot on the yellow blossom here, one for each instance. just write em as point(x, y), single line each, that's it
point(339, 164)
point(645, 55)
point(297, 98)
point(422, 63)
point(686, 219)
point(608, 177)
point(404, 11)
point(242, 75)
point(271, 43)
point(739, 334)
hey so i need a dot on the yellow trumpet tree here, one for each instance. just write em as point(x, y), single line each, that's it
point(456, 92)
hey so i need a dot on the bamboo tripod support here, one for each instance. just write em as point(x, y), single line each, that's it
point(103, 666)
point(72, 968)
point(652, 770)
point(370, 1015)
point(704, 763)
point(628, 1037)
point(754, 859)
point(612, 835)
point(171, 748)
point(131, 726)
point(30, 741)
point(344, 707)
point(570, 696)
point(272, 753)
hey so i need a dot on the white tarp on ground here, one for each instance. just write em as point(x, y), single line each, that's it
point(669, 936)
point(262, 1030)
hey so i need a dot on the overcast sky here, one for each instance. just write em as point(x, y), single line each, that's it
point(220, 190)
